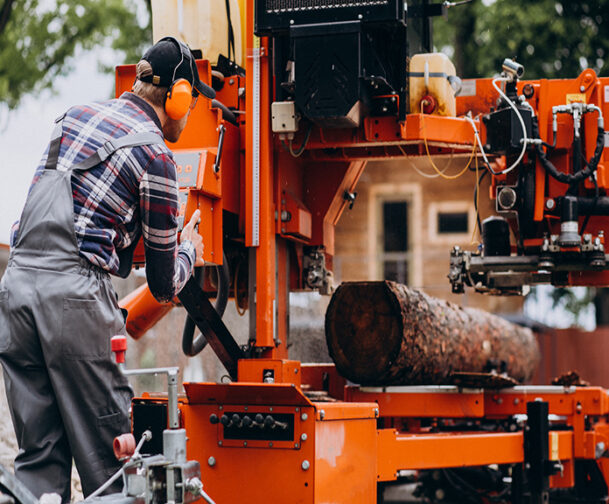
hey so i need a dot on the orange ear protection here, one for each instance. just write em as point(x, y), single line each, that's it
point(179, 96)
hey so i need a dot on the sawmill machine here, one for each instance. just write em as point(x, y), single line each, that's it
point(325, 86)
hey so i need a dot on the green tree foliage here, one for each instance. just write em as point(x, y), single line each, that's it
point(552, 39)
point(39, 37)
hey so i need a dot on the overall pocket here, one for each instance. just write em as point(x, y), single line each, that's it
point(85, 331)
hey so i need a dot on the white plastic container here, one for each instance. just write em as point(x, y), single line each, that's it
point(428, 76)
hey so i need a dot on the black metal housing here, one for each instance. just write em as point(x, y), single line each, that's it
point(340, 61)
point(504, 131)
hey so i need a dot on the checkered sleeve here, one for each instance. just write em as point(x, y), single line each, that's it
point(168, 265)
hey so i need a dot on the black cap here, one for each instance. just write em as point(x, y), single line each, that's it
point(172, 60)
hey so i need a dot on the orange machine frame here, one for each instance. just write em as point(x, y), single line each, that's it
point(357, 437)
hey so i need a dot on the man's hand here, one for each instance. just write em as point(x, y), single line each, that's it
point(189, 233)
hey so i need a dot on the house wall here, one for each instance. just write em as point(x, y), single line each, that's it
point(357, 233)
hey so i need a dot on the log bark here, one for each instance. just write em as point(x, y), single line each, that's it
point(384, 333)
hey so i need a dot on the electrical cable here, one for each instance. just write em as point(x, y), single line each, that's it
point(421, 172)
point(476, 203)
point(440, 173)
point(231, 33)
point(301, 149)
point(567, 178)
point(524, 139)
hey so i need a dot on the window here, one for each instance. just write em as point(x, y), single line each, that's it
point(395, 254)
point(395, 239)
point(450, 222)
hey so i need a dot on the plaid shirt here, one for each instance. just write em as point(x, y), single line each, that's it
point(133, 193)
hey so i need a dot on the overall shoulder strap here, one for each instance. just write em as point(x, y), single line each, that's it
point(112, 145)
point(55, 143)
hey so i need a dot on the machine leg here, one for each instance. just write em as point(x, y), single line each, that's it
point(536, 457)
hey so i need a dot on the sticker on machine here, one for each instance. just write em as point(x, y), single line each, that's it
point(606, 94)
point(606, 138)
point(468, 88)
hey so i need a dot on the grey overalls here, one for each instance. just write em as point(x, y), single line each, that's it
point(57, 315)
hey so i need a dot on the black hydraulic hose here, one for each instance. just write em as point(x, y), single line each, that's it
point(567, 178)
point(227, 114)
point(191, 346)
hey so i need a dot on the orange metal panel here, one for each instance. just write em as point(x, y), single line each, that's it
point(428, 451)
point(279, 394)
point(561, 400)
point(345, 467)
point(250, 473)
point(451, 130)
point(323, 377)
point(283, 371)
point(420, 403)
point(328, 411)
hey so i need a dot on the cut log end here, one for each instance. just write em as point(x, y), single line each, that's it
point(383, 333)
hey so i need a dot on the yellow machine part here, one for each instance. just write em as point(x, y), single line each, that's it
point(428, 77)
point(202, 24)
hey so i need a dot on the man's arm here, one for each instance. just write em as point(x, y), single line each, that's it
point(168, 265)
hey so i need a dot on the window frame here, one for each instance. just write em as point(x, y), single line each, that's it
point(380, 194)
point(442, 207)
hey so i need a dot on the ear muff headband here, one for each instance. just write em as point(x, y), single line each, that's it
point(179, 95)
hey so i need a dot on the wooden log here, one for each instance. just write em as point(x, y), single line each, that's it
point(384, 333)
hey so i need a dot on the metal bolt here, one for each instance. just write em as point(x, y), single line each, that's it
point(271, 444)
point(296, 445)
point(527, 466)
point(244, 408)
point(220, 407)
point(600, 449)
point(296, 410)
point(211, 461)
point(303, 437)
point(579, 407)
point(322, 414)
point(376, 412)
point(359, 16)
point(244, 443)
point(582, 88)
point(516, 401)
point(305, 465)
point(271, 408)
point(231, 82)
point(291, 21)
point(304, 417)
point(219, 443)
point(550, 204)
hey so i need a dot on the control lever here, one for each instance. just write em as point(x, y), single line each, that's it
point(222, 130)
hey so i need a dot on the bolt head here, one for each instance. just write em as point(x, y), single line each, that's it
point(305, 465)
point(304, 417)
point(322, 414)
point(211, 461)
point(303, 436)
point(550, 204)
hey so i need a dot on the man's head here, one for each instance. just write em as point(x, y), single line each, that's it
point(167, 77)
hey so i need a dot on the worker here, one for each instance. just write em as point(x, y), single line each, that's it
point(106, 179)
